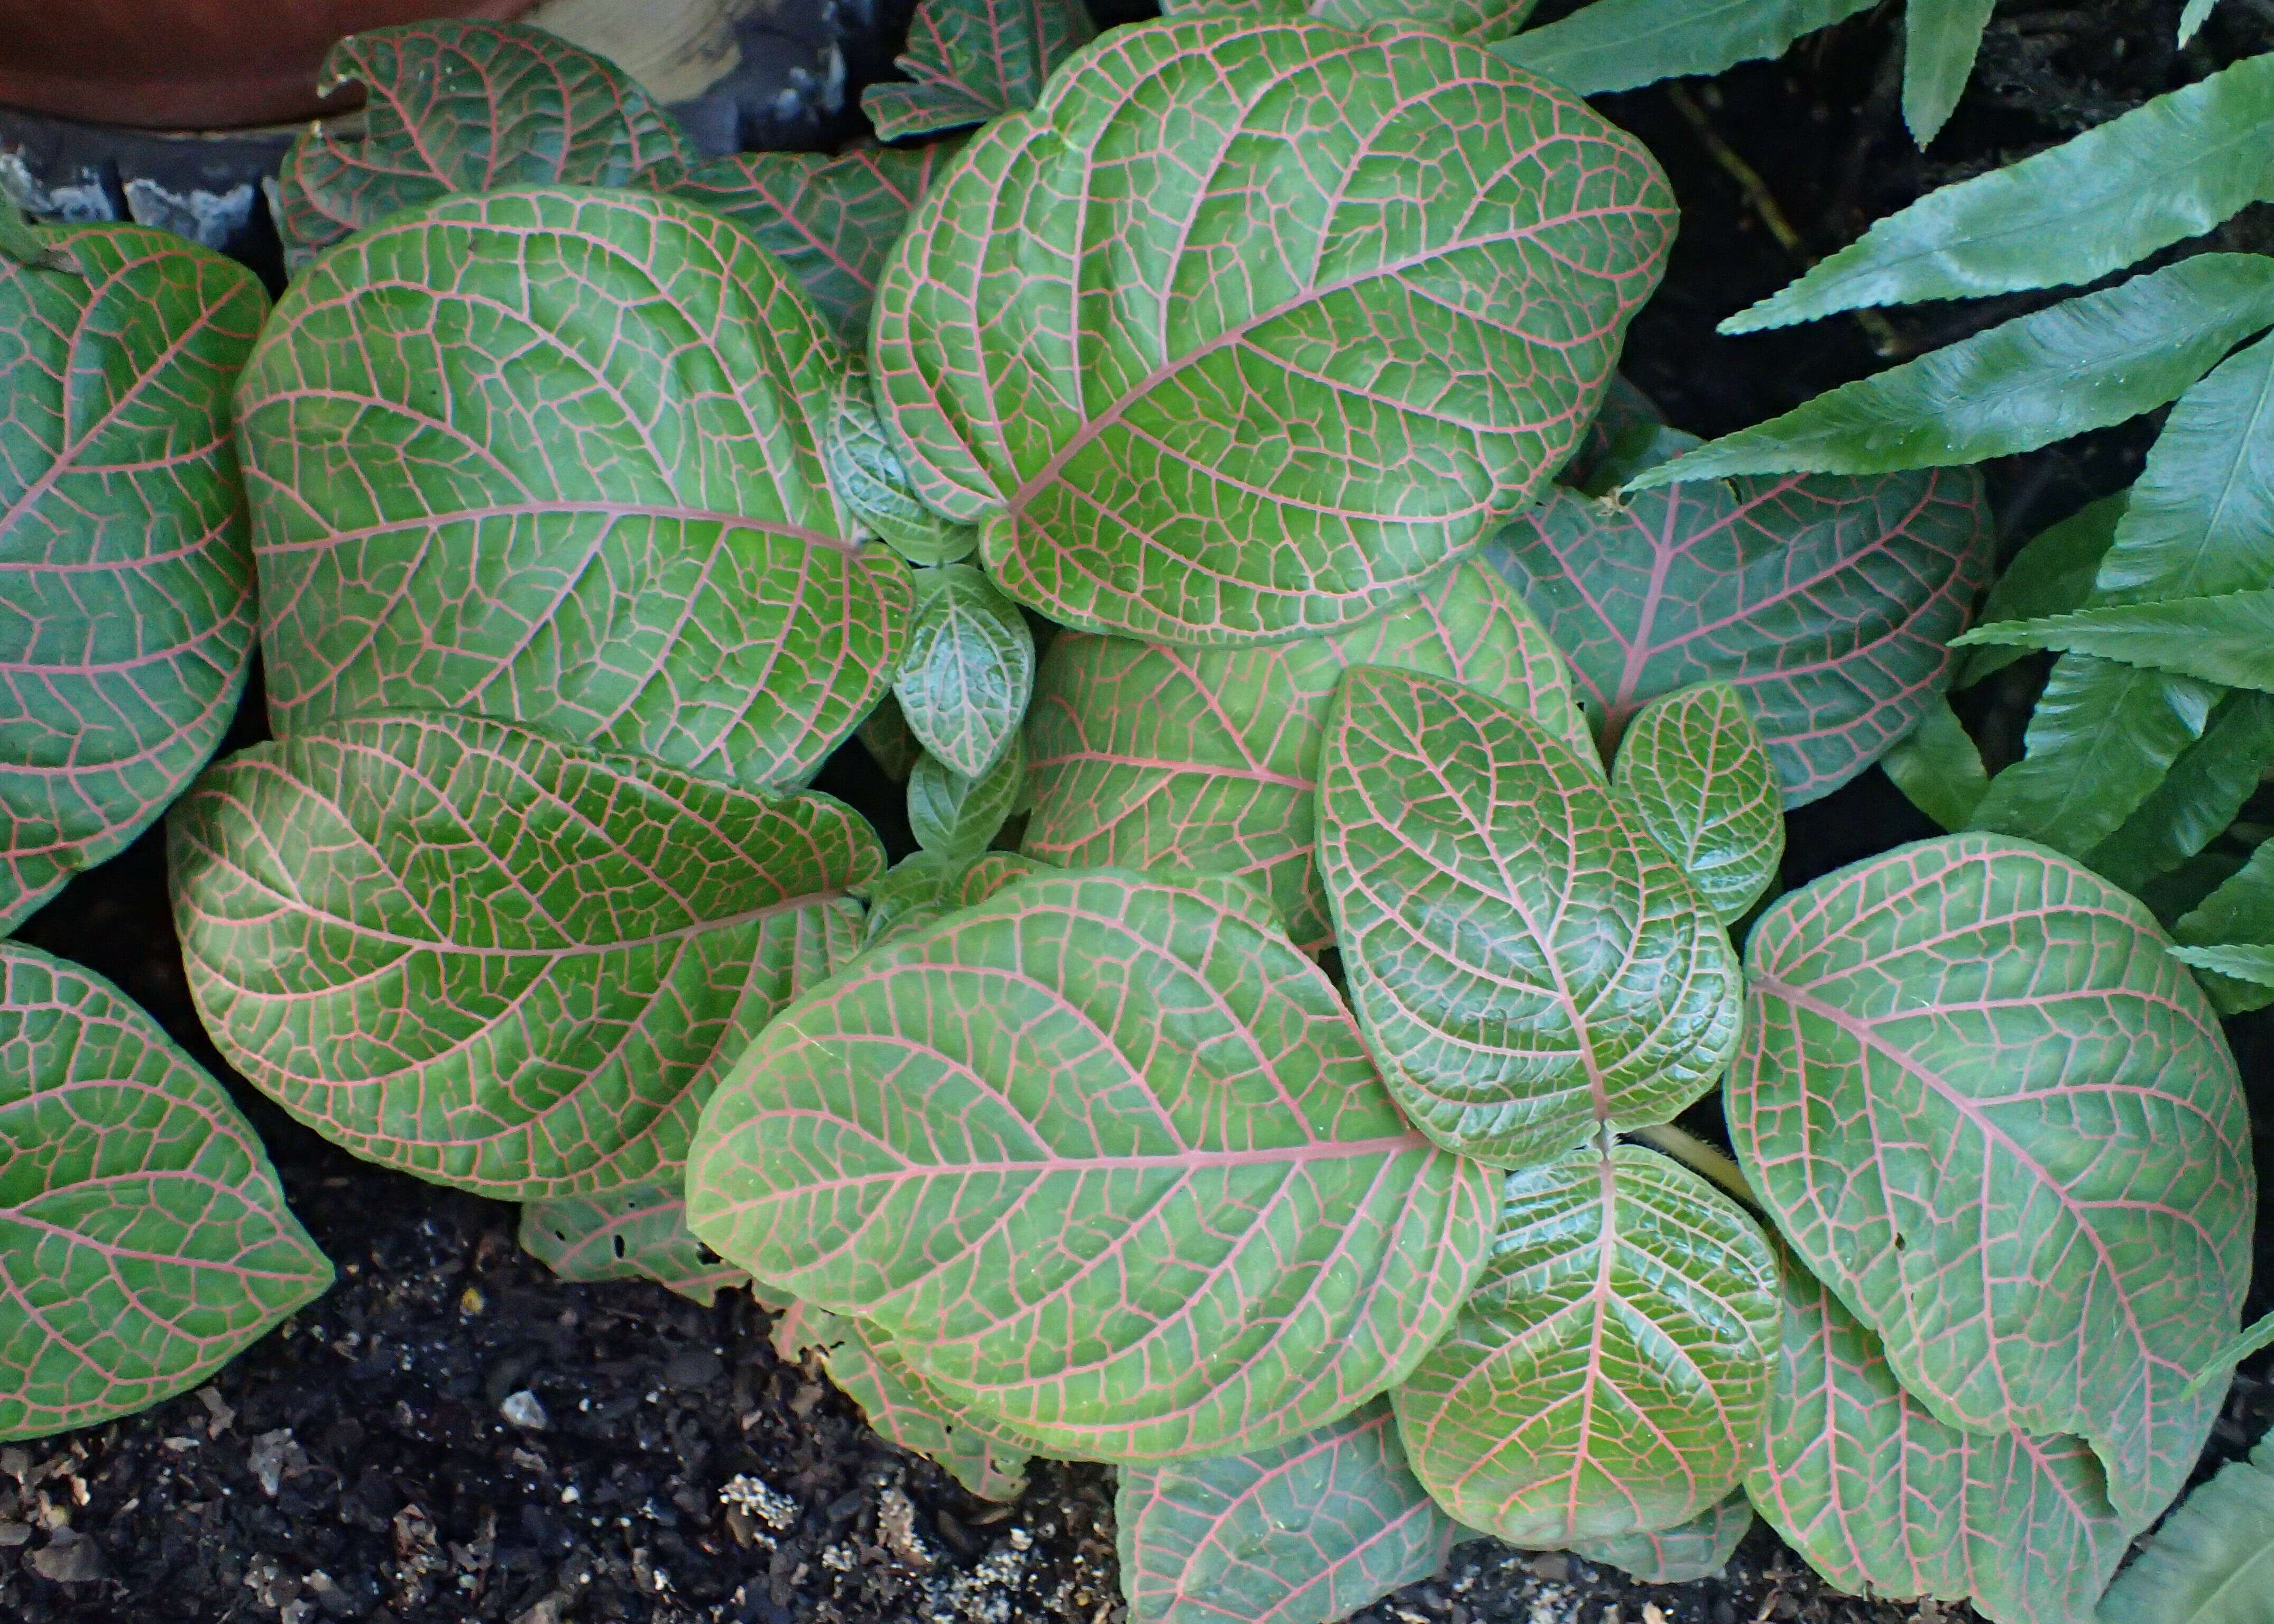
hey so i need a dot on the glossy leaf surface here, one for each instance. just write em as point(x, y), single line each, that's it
point(831, 219)
point(1305, 1532)
point(1527, 963)
point(1611, 1371)
point(2213, 1561)
point(1827, 602)
point(968, 61)
point(555, 456)
point(2227, 639)
point(869, 478)
point(1693, 767)
point(458, 948)
point(126, 610)
point(465, 105)
point(2084, 363)
point(1151, 755)
point(961, 816)
point(926, 886)
point(1697, 1549)
point(2201, 795)
point(1883, 1498)
point(631, 1232)
point(1619, 44)
point(2173, 167)
point(1312, 360)
point(969, 670)
point(1150, 1067)
point(144, 1241)
point(1992, 1113)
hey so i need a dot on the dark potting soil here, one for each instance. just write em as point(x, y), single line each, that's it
point(453, 1434)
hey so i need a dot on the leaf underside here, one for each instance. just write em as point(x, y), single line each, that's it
point(1993, 1115)
point(458, 948)
point(555, 456)
point(1610, 1372)
point(1527, 963)
point(1825, 601)
point(464, 106)
point(1324, 360)
point(1145, 1065)
point(144, 1241)
point(1150, 755)
point(629, 1232)
point(125, 573)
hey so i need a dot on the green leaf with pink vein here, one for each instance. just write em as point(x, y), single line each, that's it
point(1610, 1374)
point(144, 1241)
point(968, 61)
point(1697, 1549)
point(1105, 1159)
point(1884, 1499)
point(555, 456)
point(1528, 964)
point(458, 948)
point(464, 105)
point(1151, 755)
point(1481, 21)
point(1292, 389)
point(1693, 767)
point(2000, 1121)
point(634, 1231)
point(1825, 601)
point(1303, 1532)
point(126, 616)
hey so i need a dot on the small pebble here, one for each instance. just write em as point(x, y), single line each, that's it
point(523, 1409)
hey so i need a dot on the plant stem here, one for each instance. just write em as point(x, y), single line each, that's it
point(1708, 1162)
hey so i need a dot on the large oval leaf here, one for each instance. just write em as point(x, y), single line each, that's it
point(1993, 1114)
point(1105, 1157)
point(144, 1241)
point(1610, 1373)
point(125, 578)
point(1826, 602)
point(1249, 325)
point(1150, 755)
point(464, 105)
point(1528, 963)
point(458, 948)
point(1305, 1532)
point(555, 456)
point(1884, 1500)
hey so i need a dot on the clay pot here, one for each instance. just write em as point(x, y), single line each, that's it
point(185, 64)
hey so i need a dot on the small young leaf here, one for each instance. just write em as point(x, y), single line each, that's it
point(1147, 756)
point(1940, 40)
point(1884, 1499)
point(2237, 916)
point(142, 1233)
point(2227, 639)
point(1151, 1068)
point(1611, 1371)
point(969, 669)
point(2197, 799)
point(2101, 739)
point(1619, 44)
point(867, 474)
point(464, 106)
point(1527, 964)
point(968, 61)
point(2218, 1370)
point(905, 1409)
point(2196, 13)
point(2212, 1562)
point(632, 1232)
point(1692, 766)
point(2173, 167)
point(555, 456)
point(24, 243)
point(458, 948)
point(1305, 1532)
point(1938, 768)
point(1826, 602)
point(1990, 1111)
point(1189, 401)
point(926, 886)
point(2053, 574)
point(959, 817)
point(831, 220)
point(1697, 1549)
point(126, 612)
point(2086, 363)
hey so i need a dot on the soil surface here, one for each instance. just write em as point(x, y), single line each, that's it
point(453, 1434)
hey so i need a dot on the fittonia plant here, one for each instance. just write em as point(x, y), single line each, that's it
point(1160, 478)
